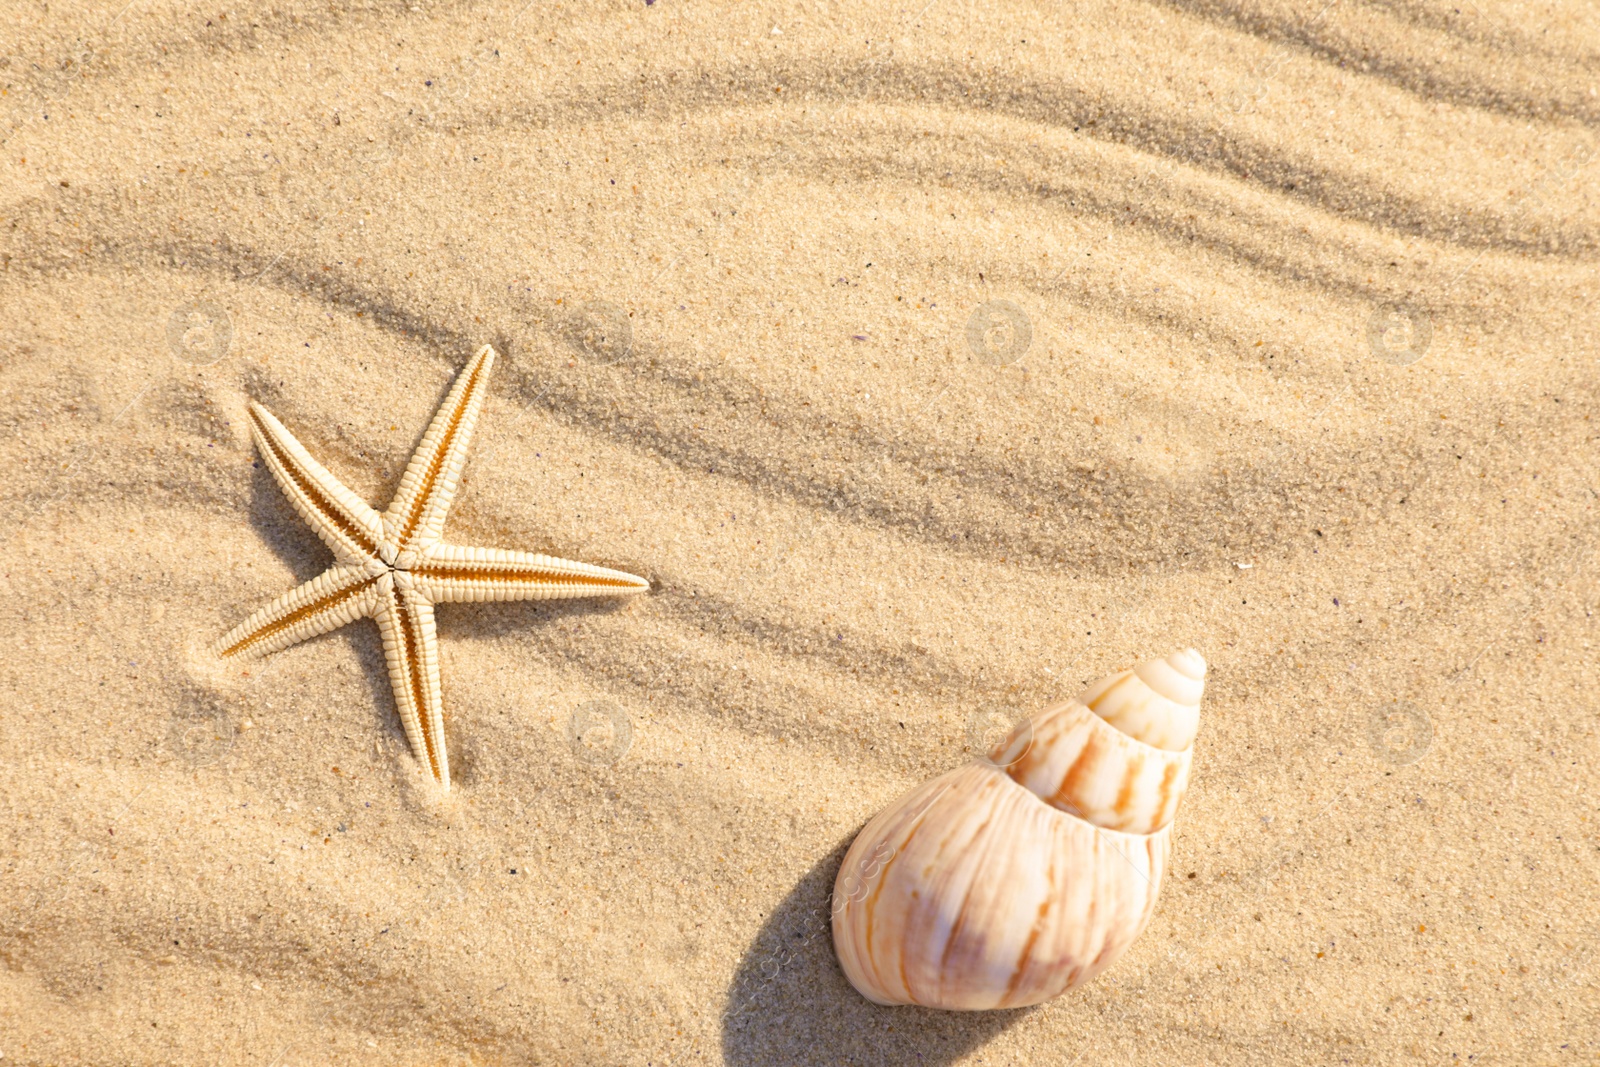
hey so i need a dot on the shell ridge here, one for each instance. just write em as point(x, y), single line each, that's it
point(960, 877)
point(1167, 810)
point(953, 936)
point(1026, 956)
point(870, 908)
point(1130, 777)
point(904, 831)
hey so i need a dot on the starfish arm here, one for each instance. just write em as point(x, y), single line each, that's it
point(338, 595)
point(416, 515)
point(452, 574)
point(405, 619)
point(343, 520)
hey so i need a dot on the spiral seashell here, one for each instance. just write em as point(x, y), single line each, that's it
point(1016, 877)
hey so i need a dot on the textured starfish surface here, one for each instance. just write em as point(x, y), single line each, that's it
point(395, 567)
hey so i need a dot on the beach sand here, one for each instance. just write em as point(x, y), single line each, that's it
point(1308, 297)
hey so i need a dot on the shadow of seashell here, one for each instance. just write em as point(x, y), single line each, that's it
point(790, 1002)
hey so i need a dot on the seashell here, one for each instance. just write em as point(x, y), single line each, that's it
point(1022, 874)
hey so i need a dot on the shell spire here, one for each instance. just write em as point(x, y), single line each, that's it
point(1157, 702)
point(1008, 881)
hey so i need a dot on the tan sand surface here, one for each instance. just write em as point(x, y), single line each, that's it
point(1311, 385)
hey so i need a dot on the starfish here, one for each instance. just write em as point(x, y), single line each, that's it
point(395, 567)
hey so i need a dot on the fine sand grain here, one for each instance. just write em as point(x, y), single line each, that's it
point(1310, 383)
